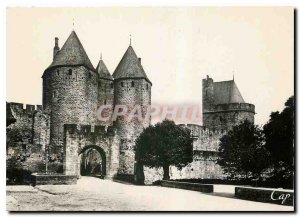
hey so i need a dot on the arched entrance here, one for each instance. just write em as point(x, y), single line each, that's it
point(92, 161)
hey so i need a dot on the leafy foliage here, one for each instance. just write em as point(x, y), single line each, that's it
point(243, 153)
point(164, 144)
point(17, 136)
point(15, 174)
point(279, 133)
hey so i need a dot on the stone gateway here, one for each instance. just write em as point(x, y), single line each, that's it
point(66, 126)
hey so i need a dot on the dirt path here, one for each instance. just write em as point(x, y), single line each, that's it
point(92, 194)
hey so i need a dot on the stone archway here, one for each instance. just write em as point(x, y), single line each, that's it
point(102, 154)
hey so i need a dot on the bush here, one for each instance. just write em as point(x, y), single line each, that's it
point(15, 174)
point(55, 167)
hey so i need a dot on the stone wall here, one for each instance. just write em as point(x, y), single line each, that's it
point(79, 137)
point(33, 126)
point(188, 186)
point(198, 169)
point(131, 92)
point(204, 166)
point(225, 116)
point(24, 119)
point(266, 195)
point(42, 179)
point(32, 122)
point(70, 96)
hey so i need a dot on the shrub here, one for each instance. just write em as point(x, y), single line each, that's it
point(15, 174)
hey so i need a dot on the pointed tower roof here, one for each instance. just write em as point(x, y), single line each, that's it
point(130, 66)
point(72, 54)
point(227, 92)
point(103, 71)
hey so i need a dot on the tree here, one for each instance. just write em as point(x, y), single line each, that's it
point(242, 152)
point(279, 133)
point(163, 145)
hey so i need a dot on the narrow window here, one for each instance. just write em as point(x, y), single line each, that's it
point(70, 71)
point(147, 86)
point(90, 75)
point(57, 72)
point(132, 84)
point(111, 85)
point(54, 94)
point(122, 84)
point(104, 102)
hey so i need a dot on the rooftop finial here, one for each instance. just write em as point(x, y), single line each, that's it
point(130, 40)
point(100, 56)
point(73, 24)
point(233, 75)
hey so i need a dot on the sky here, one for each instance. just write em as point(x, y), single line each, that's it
point(179, 47)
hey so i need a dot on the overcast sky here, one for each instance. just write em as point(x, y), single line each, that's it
point(178, 47)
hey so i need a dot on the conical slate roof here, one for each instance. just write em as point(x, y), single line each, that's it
point(103, 71)
point(72, 54)
point(227, 92)
point(130, 66)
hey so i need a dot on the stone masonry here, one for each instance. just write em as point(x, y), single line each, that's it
point(223, 105)
point(74, 92)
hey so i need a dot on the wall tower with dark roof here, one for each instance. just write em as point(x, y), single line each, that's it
point(70, 90)
point(132, 89)
point(105, 94)
point(223, 105)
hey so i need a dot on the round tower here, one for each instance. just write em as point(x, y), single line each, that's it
point(70, 91)
point(105, 94)
point(132, 93)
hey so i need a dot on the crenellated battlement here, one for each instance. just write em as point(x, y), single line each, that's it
point(89, 129)
point(27, 108)
point(202, 131)
point(232, 107)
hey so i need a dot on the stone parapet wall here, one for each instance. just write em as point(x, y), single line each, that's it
point(276, 196)
point(55, 179)
point(225, 120)
point(231, 107)
point(188, 186)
